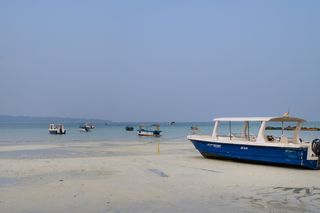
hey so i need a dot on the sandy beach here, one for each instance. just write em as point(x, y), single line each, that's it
point(134, 177)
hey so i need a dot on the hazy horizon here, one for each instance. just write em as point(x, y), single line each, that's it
point(159, 60)
point(101, 120)
point(87, 119)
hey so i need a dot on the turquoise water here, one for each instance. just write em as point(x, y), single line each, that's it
point(37, 133)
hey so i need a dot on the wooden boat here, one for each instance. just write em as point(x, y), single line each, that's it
point(261, 148)
point(56, 129)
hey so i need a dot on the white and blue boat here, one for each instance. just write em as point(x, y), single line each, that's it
point(154, 130)
point(261, 147)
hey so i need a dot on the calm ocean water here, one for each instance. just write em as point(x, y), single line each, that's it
point(37, 133)
point(25, 133)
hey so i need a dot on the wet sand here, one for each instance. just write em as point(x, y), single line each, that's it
point(133, 177)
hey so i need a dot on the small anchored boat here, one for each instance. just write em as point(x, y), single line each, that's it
point(194, 128)
point(57, 129)
point(154, 130)
point(129, 128)
point(85, 127)
point(263, 147)
point(90, 125)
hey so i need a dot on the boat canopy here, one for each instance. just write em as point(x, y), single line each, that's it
point(263, 120)
point(266, 119)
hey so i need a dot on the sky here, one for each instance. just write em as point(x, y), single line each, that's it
point(160, 60)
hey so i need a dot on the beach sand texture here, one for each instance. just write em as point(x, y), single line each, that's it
point(133, 177)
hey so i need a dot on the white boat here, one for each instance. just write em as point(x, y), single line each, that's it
point(262, 147)
point(154, 130)
point(90, 125)
point(85, 127)
point(56, 129)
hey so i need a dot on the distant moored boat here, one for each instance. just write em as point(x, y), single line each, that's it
point(57, 129)
point(194, 128)
point(129, 128)
point(154, 130)
point(85, 127)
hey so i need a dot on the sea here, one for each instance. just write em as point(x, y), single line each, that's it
point(16, 133)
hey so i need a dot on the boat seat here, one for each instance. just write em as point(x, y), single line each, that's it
point(269, 138)
point(284, 139)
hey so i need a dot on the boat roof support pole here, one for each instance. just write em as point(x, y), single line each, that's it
point(248, 130)
point(215, 129)
point(245, 129)
point(260, 137)
point(230, 129)
point(296, 137)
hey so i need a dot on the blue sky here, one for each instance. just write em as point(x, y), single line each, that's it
point(159, 60)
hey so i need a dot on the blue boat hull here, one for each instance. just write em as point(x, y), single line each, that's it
point(261, 154)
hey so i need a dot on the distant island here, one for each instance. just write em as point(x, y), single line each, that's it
point(34, 119)
point(291, 128)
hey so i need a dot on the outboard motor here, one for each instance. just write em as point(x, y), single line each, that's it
point(315, 146)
